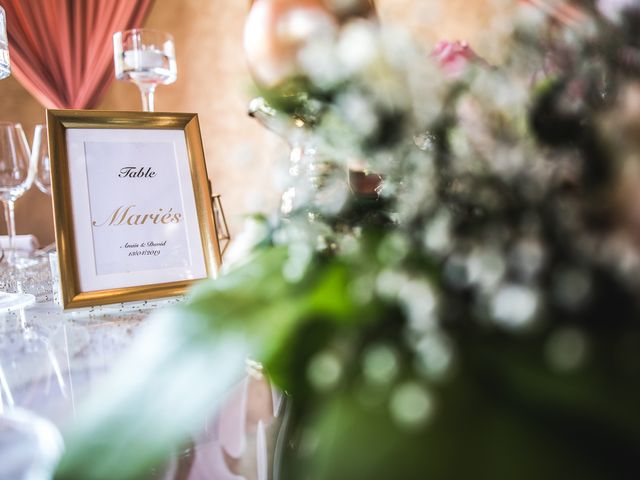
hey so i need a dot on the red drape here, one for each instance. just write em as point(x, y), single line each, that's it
point(62, 50)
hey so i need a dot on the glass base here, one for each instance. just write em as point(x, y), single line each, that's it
point(19, 260)
point(15, 301)
point(23, 262)
point(30, 445)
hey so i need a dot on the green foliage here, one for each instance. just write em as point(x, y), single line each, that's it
point(159, 394)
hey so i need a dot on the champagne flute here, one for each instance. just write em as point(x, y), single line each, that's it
point(146, 58)
point(40, 150)
point(17, 172)
point(5, 65)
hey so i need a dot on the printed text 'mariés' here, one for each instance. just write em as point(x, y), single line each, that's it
point(125, 215)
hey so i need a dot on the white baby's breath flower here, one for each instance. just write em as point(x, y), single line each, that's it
point(319, 61)
point(359, 112)
point(514, 306)
point(357, 46)
point(437, 236)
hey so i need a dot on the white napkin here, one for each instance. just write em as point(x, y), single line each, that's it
point(28, 243)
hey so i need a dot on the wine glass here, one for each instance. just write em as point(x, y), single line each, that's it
point(5, 66)
point(17, 172)
point(30, 444)
point(40, 150)
point(9, 301)
point(146, 58)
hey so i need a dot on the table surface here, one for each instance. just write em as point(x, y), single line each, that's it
point(51, 359)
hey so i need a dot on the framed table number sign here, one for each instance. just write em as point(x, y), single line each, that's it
point(132, 206)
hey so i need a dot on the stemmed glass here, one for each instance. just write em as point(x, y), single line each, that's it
point(17, 172)
point(11, 142)
point(40, 152)
point(5, 66)
point(146, 58)
point(30, 444)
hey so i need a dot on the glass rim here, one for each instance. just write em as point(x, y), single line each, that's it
point(6, 123)
point(144, 30)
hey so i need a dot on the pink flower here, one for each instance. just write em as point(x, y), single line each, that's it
point(454, 57)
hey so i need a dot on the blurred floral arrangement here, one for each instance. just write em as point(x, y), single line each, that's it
point(473, 311)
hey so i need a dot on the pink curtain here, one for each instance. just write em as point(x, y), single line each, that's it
point(62, 50)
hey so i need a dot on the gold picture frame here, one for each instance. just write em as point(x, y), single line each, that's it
point(59, 125)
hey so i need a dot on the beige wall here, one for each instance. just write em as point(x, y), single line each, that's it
point(213, 81)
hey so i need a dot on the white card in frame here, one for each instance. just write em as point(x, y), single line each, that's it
point(132, 206)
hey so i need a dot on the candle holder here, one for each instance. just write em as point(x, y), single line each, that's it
point(147, 58)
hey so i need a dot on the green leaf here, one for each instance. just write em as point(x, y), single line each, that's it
point(181, 368)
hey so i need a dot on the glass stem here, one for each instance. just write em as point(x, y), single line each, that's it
point(147, 92)
point(10, 220)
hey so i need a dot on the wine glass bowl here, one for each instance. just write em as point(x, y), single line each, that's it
point(147, 58)
point(40, 152)
point(16, 169)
